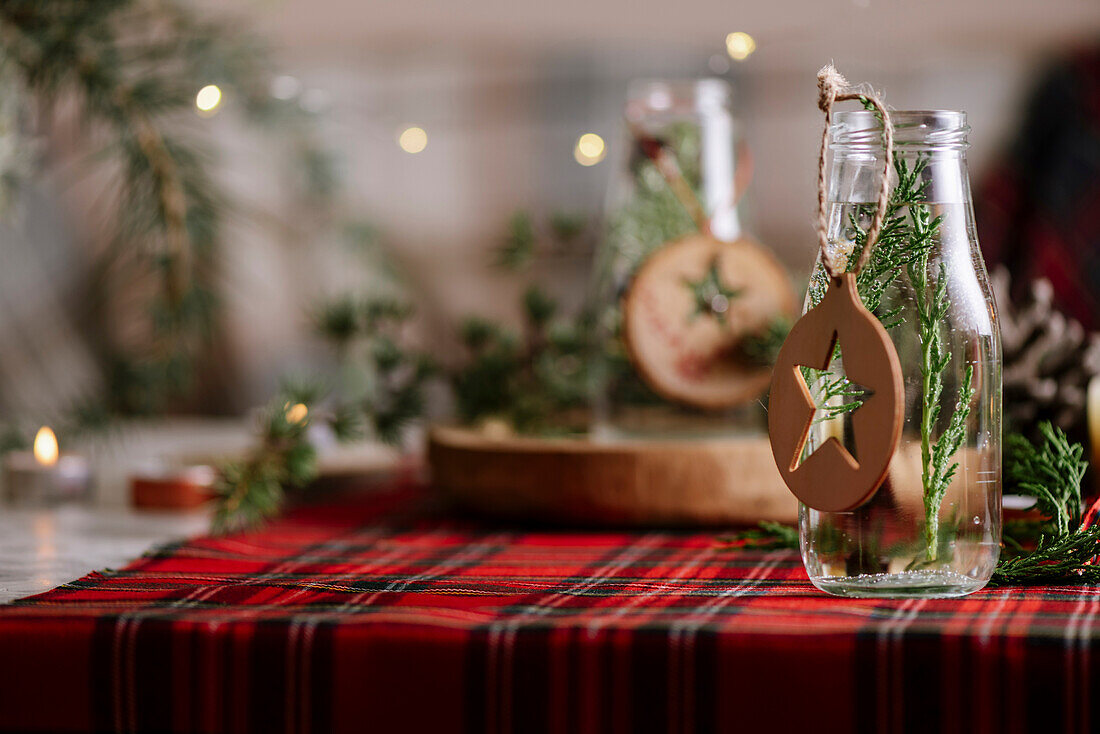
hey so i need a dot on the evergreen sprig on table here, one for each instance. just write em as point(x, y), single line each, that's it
point(366, 333)
point(1051, 471)
point(252, 489)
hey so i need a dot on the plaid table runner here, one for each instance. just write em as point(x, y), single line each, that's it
point(383, 613)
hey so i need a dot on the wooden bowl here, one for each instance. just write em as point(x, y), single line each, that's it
point(714, 482)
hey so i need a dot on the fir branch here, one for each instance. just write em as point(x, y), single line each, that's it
point(931, 304)
point(767, 535)
point(1067, 559)
point(1051, 473)
point(252, 489)
point(398, 397)
point(396, 374)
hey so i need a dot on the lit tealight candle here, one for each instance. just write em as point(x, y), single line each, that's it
point(45, 476)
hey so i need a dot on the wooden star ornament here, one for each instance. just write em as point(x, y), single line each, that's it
point(831, 479)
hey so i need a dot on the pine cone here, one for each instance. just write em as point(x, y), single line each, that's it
point(1048, 360)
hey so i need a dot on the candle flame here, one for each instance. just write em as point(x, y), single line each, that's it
point(45, 446)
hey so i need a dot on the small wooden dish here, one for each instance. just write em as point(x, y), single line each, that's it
point(716, 482)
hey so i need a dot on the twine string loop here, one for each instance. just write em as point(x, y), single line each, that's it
point(832, 88)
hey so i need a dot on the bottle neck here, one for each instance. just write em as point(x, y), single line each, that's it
point(854, 176)
point(932, 143)
point(655, 105)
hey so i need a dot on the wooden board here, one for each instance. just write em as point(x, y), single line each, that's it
point(712, 482)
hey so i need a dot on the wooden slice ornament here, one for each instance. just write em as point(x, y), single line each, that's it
point(831, 479)
point(693, 301)
point(688, 309)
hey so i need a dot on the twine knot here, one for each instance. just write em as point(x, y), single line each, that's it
point(830, 85)
point(832, 88)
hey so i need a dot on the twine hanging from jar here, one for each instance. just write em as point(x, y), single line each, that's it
point(833, 88)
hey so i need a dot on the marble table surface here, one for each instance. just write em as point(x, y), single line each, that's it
point(42, 548)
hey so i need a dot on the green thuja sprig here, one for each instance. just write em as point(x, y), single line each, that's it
point(900, 243)
point(931, 304)
point(1066, 559)
point(844, 396)
point(1052, 473)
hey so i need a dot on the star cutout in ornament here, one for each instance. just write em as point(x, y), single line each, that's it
point(711, 297)
point(831, 479)
point(832, 397)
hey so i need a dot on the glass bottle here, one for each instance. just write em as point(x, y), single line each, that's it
point(934, 526)
point(693, 124)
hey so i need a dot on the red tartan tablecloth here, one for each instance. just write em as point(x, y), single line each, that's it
point(384, 614)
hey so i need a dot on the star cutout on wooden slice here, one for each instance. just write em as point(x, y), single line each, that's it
point(711, 297)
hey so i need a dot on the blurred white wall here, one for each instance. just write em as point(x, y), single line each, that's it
point(503, 89)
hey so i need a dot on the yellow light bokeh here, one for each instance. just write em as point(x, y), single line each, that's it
point(740, 45)
point(45, 446)
point(413, 139)
point(590, 149)
point(208, 98)
point(296, 413)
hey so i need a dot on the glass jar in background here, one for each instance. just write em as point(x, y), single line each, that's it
point(934, 526)
point(688, 312)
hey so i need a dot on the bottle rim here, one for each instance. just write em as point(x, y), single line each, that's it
point(861, 130)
